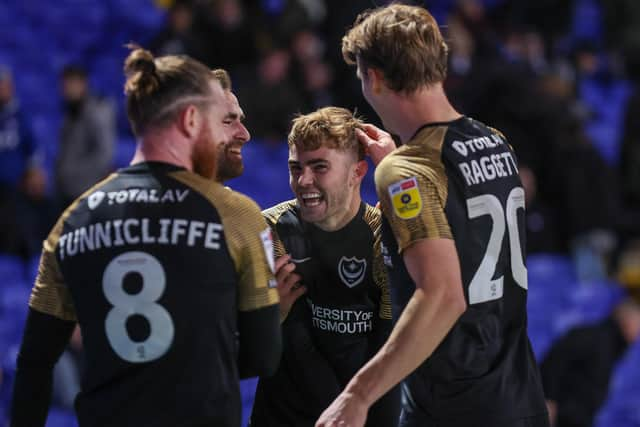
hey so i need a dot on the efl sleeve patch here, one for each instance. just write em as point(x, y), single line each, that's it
point(405, 198)
point(267, 244)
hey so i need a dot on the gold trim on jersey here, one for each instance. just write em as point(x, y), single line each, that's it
point(272, 215)
point(373, 217)
point(412, 186)
point(50, 293)
point(242, 224)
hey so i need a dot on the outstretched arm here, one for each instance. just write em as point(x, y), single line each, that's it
point(435, 306)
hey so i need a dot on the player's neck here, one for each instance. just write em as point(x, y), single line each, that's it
point(335, 222)
point(164, 146)
point(426, 105)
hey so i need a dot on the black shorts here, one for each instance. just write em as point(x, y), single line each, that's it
point(414, 416)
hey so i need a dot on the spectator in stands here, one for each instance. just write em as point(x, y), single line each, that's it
point(541, 219)
point(311, 73)
point(231, 22)
point(87, 137)
point(178, 37)
point(273, 99)
point(629, 171)
point(22, 179)
point(577, 369)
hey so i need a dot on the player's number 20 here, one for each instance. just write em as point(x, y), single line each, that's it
point(483, 287)
point(143, 304)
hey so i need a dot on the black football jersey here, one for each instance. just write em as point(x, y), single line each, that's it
point(338, 324)
point(154, 263)
point(459, 180)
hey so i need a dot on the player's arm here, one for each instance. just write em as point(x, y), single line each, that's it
point(260, 342)
point(313, 374)
point(386, 410)
point(435, 306)
point(44, 340)
point(50, 323)
point(258, 309)
point(430, 256)
point(289, 285)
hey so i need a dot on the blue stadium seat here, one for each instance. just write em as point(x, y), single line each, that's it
point(14, 302)
point(550, 266)
point(622, 408)
point(125, 148)
point(12, 268)
point(247, 391)
point(61, 418)
point(586, 22)
point(32, 268)
point(608, 101)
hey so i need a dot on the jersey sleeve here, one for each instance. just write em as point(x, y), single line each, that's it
point(373, 218)
point(381, 281)
point(412, 193)
point(251, 245)
point(50, 295)
point(271, 215)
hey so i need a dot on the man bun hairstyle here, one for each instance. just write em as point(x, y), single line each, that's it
point(158, 88)
point(140, 70)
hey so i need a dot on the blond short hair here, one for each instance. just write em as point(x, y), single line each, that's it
point(404, 42)
point(331, 127)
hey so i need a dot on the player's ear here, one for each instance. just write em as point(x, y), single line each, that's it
point(190, 121)
point(360, 170)
point(376, 78)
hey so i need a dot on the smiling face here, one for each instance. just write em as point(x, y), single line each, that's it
point(326, 183)
point(212, 135)
point(230, 151)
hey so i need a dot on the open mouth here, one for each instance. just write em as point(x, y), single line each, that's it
point(235, 151)
point(311, 199)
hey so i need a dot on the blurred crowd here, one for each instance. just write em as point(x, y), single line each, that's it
point(560, 78)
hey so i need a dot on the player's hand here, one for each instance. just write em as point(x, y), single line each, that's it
point(289, 287)
point(552, 409)
point(377, 143)
point(348, 410)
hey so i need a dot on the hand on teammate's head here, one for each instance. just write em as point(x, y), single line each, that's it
point(377, 142)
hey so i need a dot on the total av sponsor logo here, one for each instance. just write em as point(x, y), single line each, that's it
point(137, 195)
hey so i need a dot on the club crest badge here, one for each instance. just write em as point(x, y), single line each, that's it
point(352, 270)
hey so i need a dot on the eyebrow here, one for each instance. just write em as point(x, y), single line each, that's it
point(310, 162)
point(235, 116)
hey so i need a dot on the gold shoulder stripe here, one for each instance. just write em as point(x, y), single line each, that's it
point(373, 217)
point(497, 132)
point(243, 227)
point(50, 293)
point(412, 186)
point(272, 215)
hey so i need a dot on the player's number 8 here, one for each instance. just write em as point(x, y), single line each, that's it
point(143, 303)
